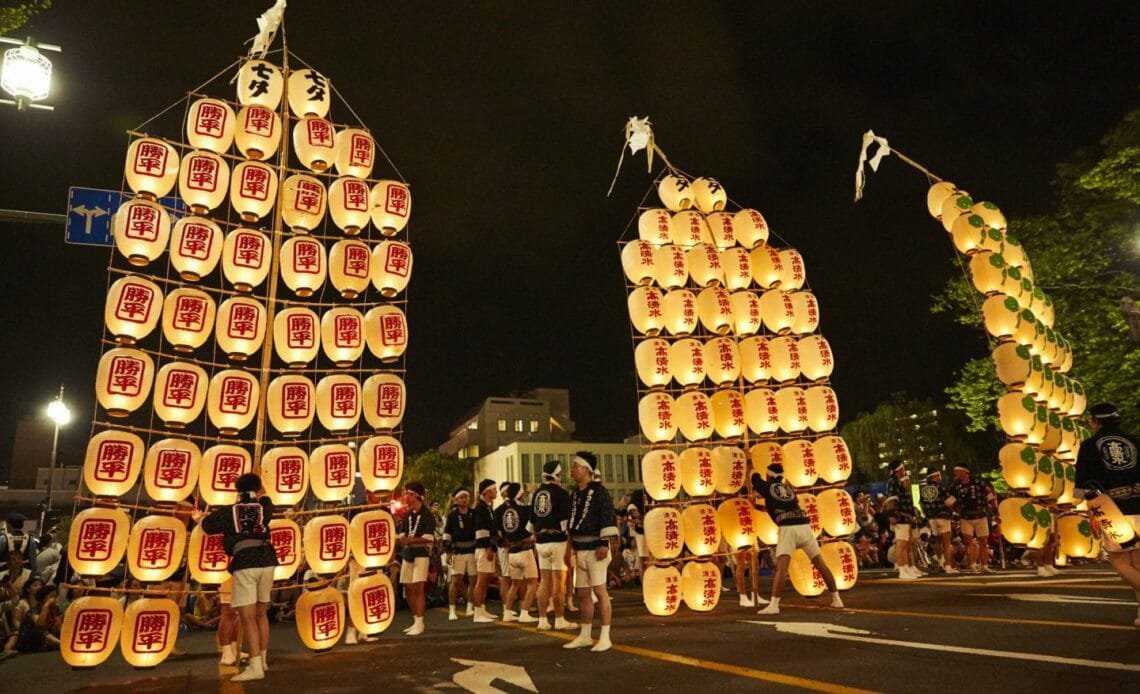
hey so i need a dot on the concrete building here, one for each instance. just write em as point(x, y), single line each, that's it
point(521, 461)
point(542, 414)
point(31, 448)
point(915, 441)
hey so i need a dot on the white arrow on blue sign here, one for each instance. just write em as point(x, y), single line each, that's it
point(89, 213)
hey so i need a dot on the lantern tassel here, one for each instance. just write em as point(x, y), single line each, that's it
point(638, 136)
point(884, 149)
point(267, 25)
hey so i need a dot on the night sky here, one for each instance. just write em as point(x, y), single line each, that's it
point(506, 118)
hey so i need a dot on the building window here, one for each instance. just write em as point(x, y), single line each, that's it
point(474, 425)
point(609, 470)
point(534, 426)
point(619, 468)
point(502, 425)
point(538, 461)
point(519, 425)
point(631, 468)
point(526, 468)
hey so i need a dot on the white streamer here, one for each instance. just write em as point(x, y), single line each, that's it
point(869, 137)
point(267, 25)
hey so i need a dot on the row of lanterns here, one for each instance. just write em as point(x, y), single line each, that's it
point(189, 317)
point(671, 266)
point(1021, 370)
point(720, 312)
point(1024, 468)
point(697, 416)
point(689, 362)
point(172, 469)
point(1008, 322)
point(1023, 419)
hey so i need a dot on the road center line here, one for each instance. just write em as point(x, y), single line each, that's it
point(967, 618)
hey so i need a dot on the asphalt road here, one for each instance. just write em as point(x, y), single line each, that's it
point(1012, 633)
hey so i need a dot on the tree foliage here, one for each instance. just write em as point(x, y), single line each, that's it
point(439, 473)
point(16, 16)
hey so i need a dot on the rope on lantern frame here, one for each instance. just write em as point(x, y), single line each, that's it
point(175, 433)
point(183, 357)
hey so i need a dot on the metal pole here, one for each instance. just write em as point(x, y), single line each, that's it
point(30, 217)
point(51, 469)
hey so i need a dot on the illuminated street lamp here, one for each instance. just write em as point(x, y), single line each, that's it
point(58, 413)
point(26, 73)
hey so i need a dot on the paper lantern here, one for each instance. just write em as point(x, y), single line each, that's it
point(764, 454)
point(1052, 438)
point(342, 335)
point(1076, 533)
point(303, 265)
point(90, 631)
point(709, 195)
point(320, 617)
point(700, 585)
point(761, 411)
point(767, 267)
point(332, 472)
point(309, 94)
point(745, 307)
point(805, 311)
point(231, 402)
point(696, 471)
point(355, 152)
point(253, 190)
point(123, 380)
point(381, 462)
point(799, 463)
point(350, 267)
point(810, 506)
point(737, 267)
point(968, 233)
point(750, 228)
point(815, 357)
point(837, 512)
point(221, 466)
point(728, 413)
point(843, 563)
point(670, 267)
point(664, 532)
point(195, 247)
point(314, 143)
point(179, 393)
point(1026, 332)
point(1036, 436)
point(155, 548)
point(730, 469)
point(151, 168)
point(203, 181)
point(714, 308)
point(338, 402)
point(1017, 413)
point(349, 204)
point(246, 259)
point(793, 407)
point(661, 590)
point(687, 362)
point(675, 192)
point(1110, 522)
point(1001, 315)
point(372, 535)
point(936, 195)
point(391, 267)
point(778, 311)
point(756, 359)
point(702, 534)
point(823, 408)
point(257, 135)
point(794, 274)
point(646, 311)
point(170, 472)
point(371, 603)
point(132, 309)
point(240, 328)
point(689, 230)
point(637, 261)
point(326, 544)
point(296, 336)
point(208, 561)
point(391, 203)
point(953, 206)
point(767, 532)
point(832, 459)
point(303, 206)
point(694, 416)
point(285, 475)
point(737, 520)
point(141, 229)
point(1018, 520)
point(723, 234)
point(678, 311)
point(659, 474)
point(655, 226)
point(285, 536)
point(260, 82)
point(386, 332)
point(785, 359)
point(651, 357)
point(385, 398)
point(1013, 364)
point(188, 317)
point(722, 361)
point(112, 464)
point(97, 540)
point(703, 261)
point(987, 272)
point(655, 416)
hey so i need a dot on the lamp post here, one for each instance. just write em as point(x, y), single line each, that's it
point(26, 73)
point(58, 413)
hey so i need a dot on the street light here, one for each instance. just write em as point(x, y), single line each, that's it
point(58, 413)
point(26, 73)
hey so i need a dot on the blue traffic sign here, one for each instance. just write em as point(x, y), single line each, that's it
point(89, 213)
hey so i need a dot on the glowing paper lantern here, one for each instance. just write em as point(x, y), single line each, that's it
point(372, 535)
point(661, 590)
point(764, 454)
point(240, 328)
point(386, 332)
point(385, 397)
point(1001, 315)
point(208, 561)
point(679, 309)
point(285, 536)
point(767, 532)
point(745, 306)
point(381, 462)
point(704, 265)
point(655, 416)
point(714, 308)
point(1110, 522)
point(664, 532)
point(231, 402)
point(170, 472)
point(660, 474)
point(700, 585)
point(737, 520)
point(728, 413)
point(203, 181)
point(987, 271)
point(132, 309)
point(709, 195)
point(123, 380)
point(179, 393)
point(355, 152)
point(338, 402)
point(778, 311)
point(670, 267)
point(937, 195)
point(815, 356)
point(320, 616)
point(303, 206)
point(968, 233)
point(1076, 533)
point(655, 227)
point(696, 471)
point(785, 359)
point(805, 311)
point(750, 228)
point(953, 206)
point(689, 229)
point(195, 247)
point(722, 360)
point(97, 540)
point(246, 258)
point(350, 267)
point(730, 468)
point(253, 190)
point(756, 359)
point(258, 132)
point(285, 475)
point(90, 631)
point(761, 411)
point(702, 534)
point(721, 227)
point(155, 548)
point(314, 142)
point(1013, 364)
point(326, 544)
point(350, 204)
point(1017, 413)
point(811, 507)
point(806, 579)
point(332, 472)
point(799, 463)
point(303, 265)
point(391, 267)
point(309, 94)
point(637, 261)
point(840, 558)
point(645, 310)
point(342, 335)
point(151, 168)
point(675, 192)
point(188, 317)
point(371, 603)
point(141, 229)
point(693, 413)
point(296, 336)
point(391, 206)
point(767, 267)
point(737, 268)
point(260, 82)
point(832, 459)
point(823, 408)
point(793, 408)
point(794, 274)
point(112, 464)
point(1018, 520)
point(221, 466)
point(837, 512)
point(651, 358)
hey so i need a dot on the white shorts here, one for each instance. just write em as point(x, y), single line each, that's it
point(940, 526)
point(522, 565)
point(252, 586)
point(975, 527)
point(485, 564)
point(504, 562)
point(552, 556)
point(590, 572)
point(414, 571)
point(463, 564)
point(1110, 545)
point(793, 537)
point(226, 591)
point(902, 532)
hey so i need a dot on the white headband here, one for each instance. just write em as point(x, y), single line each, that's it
point(579, 460)
point(551, 475)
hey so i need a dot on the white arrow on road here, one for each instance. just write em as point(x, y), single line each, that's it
point(836, 631)
point(481, 673)
point(1053, 597)
point(88, 215)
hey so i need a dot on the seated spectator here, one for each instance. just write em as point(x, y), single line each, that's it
point(866, 551)
point(17, 572)
point(37, 618)
point(205, 612)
